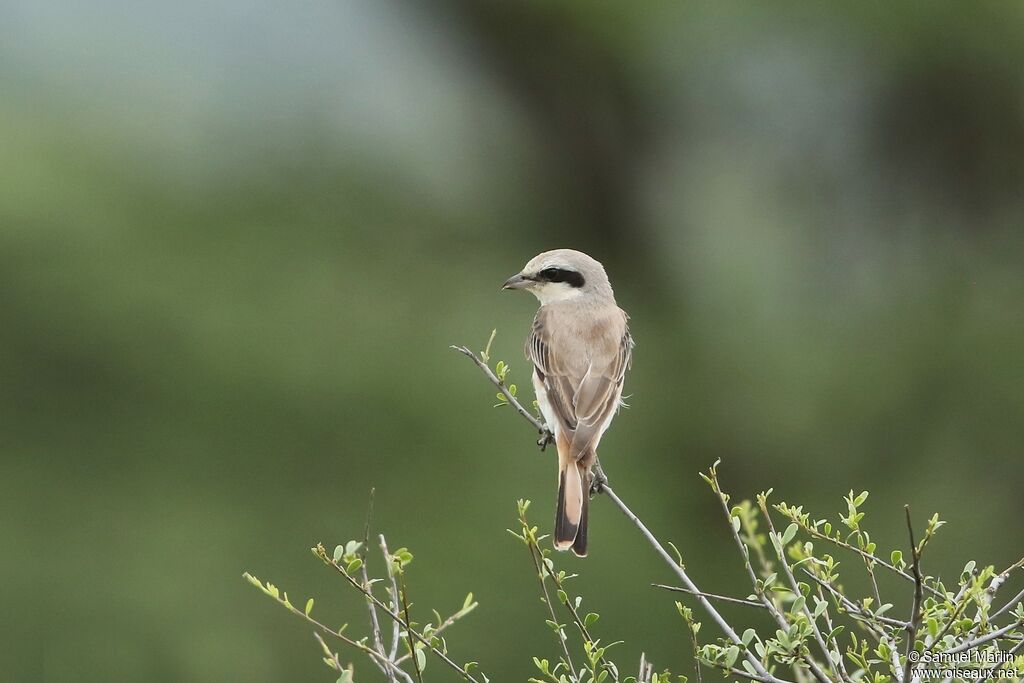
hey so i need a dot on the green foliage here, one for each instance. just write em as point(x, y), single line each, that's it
point(419, 640)
point(822, 630)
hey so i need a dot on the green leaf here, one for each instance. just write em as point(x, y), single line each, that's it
point(354, 565)
point(896, 557)
point(789, 534)
point(748, 636)
point(591, 618)
point(421, 658)
point(309, 606)
point(798, 604)
point(339, 552)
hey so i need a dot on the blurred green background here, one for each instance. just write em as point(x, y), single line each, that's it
point(237, 238)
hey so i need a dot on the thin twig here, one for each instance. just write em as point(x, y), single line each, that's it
point(915, 612)
point(856, 610)
point(442, 627)
point(580, 624)
point(770, 605)
point(1008, 606)
point(408, 630)
point(814, 533)
point(818, 636)
point(691, 627)
point(551, 610)
point(681, 573)
point(320, 552)
point(541, 428)
point(988, 637)
point(376, 656)
point(378, 642)
point(1012, 652)
point(960, 603)
point(825, 613)
point(749, 676)
point(713, 596)
point(646, 669)
point(395, 629)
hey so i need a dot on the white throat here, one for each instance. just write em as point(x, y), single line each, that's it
point(552, 292)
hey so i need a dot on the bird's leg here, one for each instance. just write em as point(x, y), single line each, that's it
point(598, 478)
point(546, 437)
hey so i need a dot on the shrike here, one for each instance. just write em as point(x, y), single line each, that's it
point(580, 349)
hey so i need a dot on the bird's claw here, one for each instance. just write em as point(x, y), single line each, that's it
point(598, 481)
point(546, 438)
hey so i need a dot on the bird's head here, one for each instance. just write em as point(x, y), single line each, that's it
point(560, 275)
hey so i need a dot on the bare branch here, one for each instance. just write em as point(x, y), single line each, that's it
point(915, 612)
point(713, 596)
point(681, 573)
point(987, 638)
point(1008, 606)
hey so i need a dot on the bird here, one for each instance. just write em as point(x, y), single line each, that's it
point(580, 348)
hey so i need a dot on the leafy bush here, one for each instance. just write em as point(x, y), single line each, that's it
point(822, 633)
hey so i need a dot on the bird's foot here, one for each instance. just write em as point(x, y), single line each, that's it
point(598, 480)
point(546, 438)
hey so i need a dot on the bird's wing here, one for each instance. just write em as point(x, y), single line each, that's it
point(583, 395)
point(554, 371)
point(599, 394)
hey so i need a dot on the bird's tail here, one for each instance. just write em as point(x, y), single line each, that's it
point(573, 505)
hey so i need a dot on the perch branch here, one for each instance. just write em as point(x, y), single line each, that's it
point(541, 428)
point(645, 532)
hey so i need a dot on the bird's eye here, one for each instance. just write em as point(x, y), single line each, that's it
point(554, 274)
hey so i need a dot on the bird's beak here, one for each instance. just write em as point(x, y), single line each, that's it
point(517, 281)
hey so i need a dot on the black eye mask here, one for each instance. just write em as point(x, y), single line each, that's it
point(570, 277)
